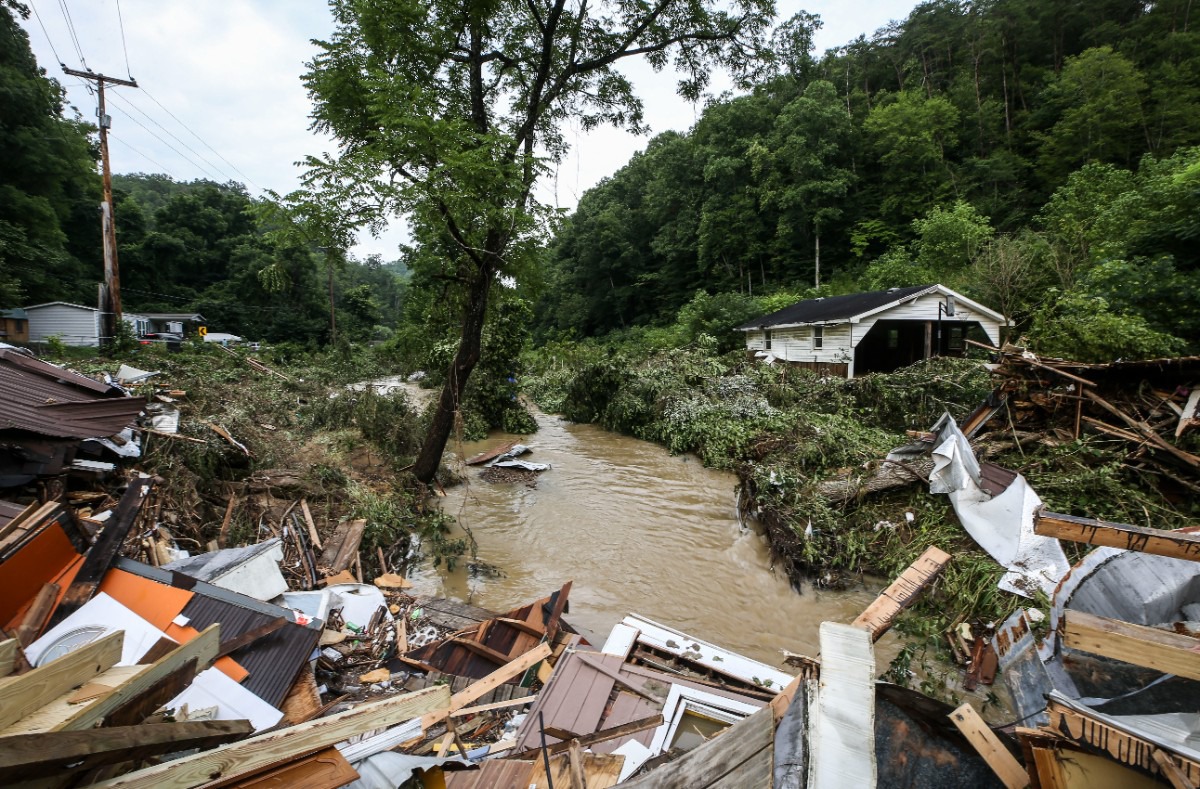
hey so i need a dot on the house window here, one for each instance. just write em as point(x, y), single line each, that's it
point(893, 339)
point(175, 327)
point(956, 338)
point(766, 340)
point(818, 337)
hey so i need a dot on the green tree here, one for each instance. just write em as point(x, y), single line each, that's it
point(444, 108)
point(911, 135)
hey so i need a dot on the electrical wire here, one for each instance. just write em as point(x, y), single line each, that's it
point(66, 12)
point(181, 154)
point(198, 137)
point(172, 135)
point(46, 33)
point(121, 20)
point(164, 170)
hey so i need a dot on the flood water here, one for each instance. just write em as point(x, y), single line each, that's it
point(637, 530)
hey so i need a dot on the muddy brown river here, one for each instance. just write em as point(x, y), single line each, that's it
point(637, 530)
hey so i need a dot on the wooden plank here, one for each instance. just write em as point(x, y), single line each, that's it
point(1143, 646)
point(560, 605)
point(26, 756)
point(136, 707)
point(903, 592)
point(604, 735)
point(1145, 431)
point(1121, 746)
point(524, 627)
point(575, 760)
point(324, 769)
point(37, 614)
point(1161, 542)
point(258, 753)
point(1188, 416)
point(312, 527)
point(29, 515)
point(8, 656)
point(747, 740)
point(22, 695)
point(342, 548)
point(842, 721)
point(596, 771)
point(499, 658)
point(495, 705)
point(489, 683)
point(201, 651)
point(223, 535)
point(250, 636)
point(104, 551)
point(1170, 770)
point(990, 749)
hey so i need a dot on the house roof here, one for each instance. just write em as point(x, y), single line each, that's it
point(172, 316)
point(16, 313)
point(40, 398)
point(855, 306)
point(62, 304)
point(834, 308)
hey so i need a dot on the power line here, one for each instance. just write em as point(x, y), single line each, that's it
point(45, 32)
point(171, 134)
point(144, 156)
point(202, 142)
point(121, 20)
point(66, 12)
point(181, 154)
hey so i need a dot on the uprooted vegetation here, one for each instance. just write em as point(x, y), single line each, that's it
point(806, 449)
point(302, 434)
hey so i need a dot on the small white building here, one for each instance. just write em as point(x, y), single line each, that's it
point(73, 324)
point(879, 331)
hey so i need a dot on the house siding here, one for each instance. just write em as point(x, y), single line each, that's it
point(796, 344)
point(925, 308)
point(74, 325)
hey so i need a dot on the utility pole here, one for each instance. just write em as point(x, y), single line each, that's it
point(112, 275)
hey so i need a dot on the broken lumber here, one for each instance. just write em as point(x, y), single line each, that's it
point(489, 683)
point(1162, 542)
point(312, 527)
point(8, 656)
point(279, 747)
point(45, 754)
point(37, 614)
point(1145, 431)
point(1188, 416)
point(1148, 647)
point(903, 592)
point(604, 735)
point(616, 677)
point(990, 749)
point(22, 695)
point(342, 547)
point(104, 551)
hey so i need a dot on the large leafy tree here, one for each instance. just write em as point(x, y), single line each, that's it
point(447, 108)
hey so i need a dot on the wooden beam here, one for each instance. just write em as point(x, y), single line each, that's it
point(903, 592)
point(1143, 646)
point(272, 748)
point(25, 756)
point(312, 527)
point(1121, 746)
point(22, 695)
point(1145, 430)
point(223, 534)
point(495, 705)
point(8, 656)
point(104, 551)
point(560, 605)
point(489, 683)
point(990, 749)
point(1161, 542)
point(1171, 771)
point(138, 706)
point(499, 658)
point(201, 650)
point(37, 614)
point(523, 626)
point(575, 757)
point(588, 740)
point(250, 636)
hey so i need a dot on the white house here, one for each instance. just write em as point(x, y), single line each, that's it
point(73, 324)
point(879, 331)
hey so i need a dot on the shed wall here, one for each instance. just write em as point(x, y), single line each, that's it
point(73, 325)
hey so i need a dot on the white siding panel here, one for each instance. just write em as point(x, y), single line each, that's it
point(73, 325)
point(925, 308)
point(796, 345)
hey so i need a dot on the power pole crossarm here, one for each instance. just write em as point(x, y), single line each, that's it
point(112, 277)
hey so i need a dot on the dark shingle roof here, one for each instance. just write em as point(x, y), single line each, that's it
point(833, 308)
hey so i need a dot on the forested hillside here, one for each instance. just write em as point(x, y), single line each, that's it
point(1037, 155)
point(182, 246)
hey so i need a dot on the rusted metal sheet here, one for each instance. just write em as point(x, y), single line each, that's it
point(40, 398)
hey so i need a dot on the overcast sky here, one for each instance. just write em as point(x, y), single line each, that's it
point(220, 94)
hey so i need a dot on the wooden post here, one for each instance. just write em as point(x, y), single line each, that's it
point(990, 749)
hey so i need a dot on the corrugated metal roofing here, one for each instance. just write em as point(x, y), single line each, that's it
point(40, 398)
point(833, 308)
point(273, 661)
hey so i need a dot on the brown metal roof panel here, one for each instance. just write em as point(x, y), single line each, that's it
point(40, 398)
point(493, 774)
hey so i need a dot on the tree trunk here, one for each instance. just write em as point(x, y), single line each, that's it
point(817, 247)
point(464, 362)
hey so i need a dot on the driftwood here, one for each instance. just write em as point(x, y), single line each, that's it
point(888, 475)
